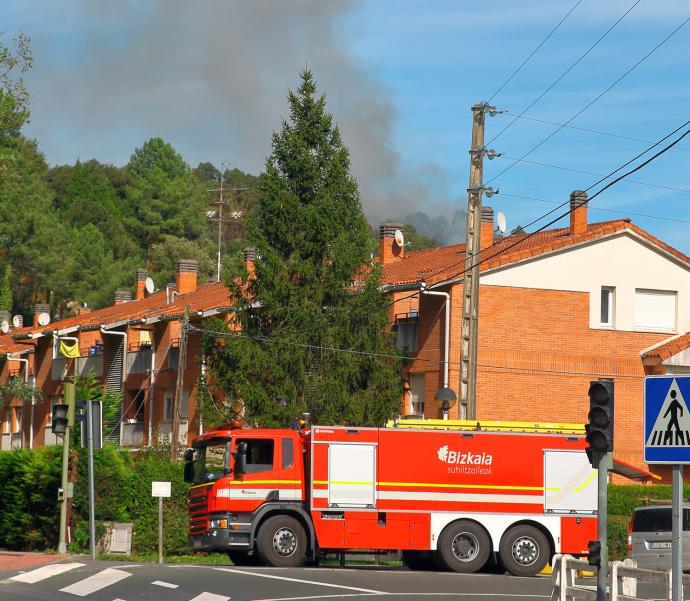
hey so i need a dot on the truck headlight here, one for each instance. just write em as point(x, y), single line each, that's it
point(219, 523)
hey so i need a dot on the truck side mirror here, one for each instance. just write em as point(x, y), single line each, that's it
point(240, 459)
point(189, 471)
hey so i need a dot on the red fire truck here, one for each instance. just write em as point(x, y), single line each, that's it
point(453, 498)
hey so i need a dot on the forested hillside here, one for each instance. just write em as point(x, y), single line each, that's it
point(73, 234)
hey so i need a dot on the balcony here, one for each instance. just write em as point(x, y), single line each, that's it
point(90, 365)
point(132, 433)
point(165, 430)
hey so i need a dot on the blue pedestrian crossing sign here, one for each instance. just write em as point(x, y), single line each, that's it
point(666, 419)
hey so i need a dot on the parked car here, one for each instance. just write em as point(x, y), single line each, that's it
point(649, 537)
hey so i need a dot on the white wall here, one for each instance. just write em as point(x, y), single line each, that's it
point(623, 261)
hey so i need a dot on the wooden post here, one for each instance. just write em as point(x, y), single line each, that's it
point(181, 364)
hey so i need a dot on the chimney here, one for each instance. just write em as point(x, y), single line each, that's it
point(38, 309)
point(122, 296)
point(389, 250)
point(140, 293)
point(84, 309)
point(486, 232)
point(185, 276)
point(578, 212)
point(249, 259)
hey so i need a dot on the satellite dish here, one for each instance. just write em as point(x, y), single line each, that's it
point(17, 321)
point(5, 326)
point(43, 319)
point(399, 238)
point(149, 285)
point(501, 221)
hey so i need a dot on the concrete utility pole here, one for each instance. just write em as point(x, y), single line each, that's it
point(182, 361)
point(220, 216)
point(470, 303)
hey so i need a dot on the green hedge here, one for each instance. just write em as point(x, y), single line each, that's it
point(29, 510)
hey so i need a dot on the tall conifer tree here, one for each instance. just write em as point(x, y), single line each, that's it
point(311, 242)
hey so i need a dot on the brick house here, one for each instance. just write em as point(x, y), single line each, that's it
point(132, 347)
point(557, 310)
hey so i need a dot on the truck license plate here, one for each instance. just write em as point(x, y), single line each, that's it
point(660, 546)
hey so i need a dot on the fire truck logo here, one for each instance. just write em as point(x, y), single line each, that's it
point(459, 458)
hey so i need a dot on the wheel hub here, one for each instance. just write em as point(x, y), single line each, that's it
point(525, 550)
point(285, 542)
point(465, 546)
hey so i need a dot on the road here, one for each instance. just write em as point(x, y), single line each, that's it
point(76, 577)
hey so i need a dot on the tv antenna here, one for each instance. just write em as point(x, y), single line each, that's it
point(149, 285)
point(501, 222)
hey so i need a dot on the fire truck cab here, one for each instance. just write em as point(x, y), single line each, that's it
point(446, 498)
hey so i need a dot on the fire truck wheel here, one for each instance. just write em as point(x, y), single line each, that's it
point(240, 558)
point(524, 550)
point(282, 542)
point(464, 546)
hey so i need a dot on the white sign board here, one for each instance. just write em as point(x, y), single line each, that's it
point(160, 489)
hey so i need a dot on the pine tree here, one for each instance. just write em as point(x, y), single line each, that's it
point(311, 240)
point(6, 288)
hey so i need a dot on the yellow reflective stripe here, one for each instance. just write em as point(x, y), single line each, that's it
point(586, 482)
point(248, 483)
point(199, 485)
point(440, 485)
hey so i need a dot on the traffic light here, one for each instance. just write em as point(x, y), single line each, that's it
point(59, 425)
point(600, 427)
point(594, 557)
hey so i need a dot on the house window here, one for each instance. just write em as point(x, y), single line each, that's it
point(169, 403)
point(173, 357)
point(655, 310)
point(608, 297)
point(406, 335)
point(417, 394)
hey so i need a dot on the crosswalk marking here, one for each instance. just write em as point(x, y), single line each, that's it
point(164, 584)
point(45, 572)
point(96, 582)
point(210, 597)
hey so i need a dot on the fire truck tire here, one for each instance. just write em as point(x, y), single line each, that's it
point(524, 550)
point(240, 558)
point(282, 542)
point(464, 546)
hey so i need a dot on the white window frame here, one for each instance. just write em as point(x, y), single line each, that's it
point(417, 406)
point(611, 292)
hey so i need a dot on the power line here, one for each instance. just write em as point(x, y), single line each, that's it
point(582, 110)
point(627, 213)
point(283, 340)
point(571, 169)
point(586, 129)
point(522, 239)
point(562, 75)
point(516, 71)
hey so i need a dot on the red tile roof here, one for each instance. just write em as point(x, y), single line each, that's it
point(206, 297)
point(448, 262)
point(669, 348)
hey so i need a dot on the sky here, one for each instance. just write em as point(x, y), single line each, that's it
point(211, 77)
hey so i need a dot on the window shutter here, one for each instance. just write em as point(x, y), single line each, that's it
point(655, 310)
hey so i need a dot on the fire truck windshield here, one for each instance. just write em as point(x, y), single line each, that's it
point(212, 462)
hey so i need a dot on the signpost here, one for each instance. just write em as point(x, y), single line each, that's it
point(667, 441)
point(160, 490)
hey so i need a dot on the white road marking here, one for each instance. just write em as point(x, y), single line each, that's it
point(45, 572)
point(405, 595)
point(341, 596)
point(210, 597)
point(315, 582)
point(96, 582)
point(165, 584)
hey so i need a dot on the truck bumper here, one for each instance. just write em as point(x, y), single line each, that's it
point(222, 539)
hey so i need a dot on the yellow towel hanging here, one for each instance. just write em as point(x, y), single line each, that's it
point(71, 352)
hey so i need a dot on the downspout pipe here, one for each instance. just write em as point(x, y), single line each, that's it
point(446, 394)
point(152, 380)
point(26, 381)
